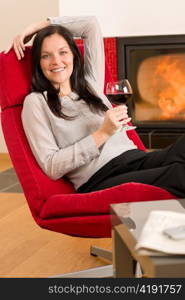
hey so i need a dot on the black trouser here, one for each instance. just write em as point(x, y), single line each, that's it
point(163, 168)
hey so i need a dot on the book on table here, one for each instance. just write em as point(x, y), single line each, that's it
point(163, 234)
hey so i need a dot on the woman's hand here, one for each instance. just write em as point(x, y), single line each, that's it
point(21, 39)
point(18, 45)
point(114, 119)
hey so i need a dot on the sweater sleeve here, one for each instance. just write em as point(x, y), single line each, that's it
point(88, 29)
point(54, 161)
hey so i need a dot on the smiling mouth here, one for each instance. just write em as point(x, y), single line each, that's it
point(57, 70)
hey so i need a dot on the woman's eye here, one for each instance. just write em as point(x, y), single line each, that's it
point(44, 56)
point(63, 52)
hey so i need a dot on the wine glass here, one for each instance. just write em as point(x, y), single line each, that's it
point(120, 92)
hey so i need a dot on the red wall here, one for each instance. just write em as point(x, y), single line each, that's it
point(110, 54)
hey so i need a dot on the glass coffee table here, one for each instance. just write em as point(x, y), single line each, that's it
point(127, 223)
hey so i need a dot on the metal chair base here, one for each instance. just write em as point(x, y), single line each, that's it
point(99, 272)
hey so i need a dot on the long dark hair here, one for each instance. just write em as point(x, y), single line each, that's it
point(78, 83)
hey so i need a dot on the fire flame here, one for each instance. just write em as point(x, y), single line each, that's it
point(171, 98)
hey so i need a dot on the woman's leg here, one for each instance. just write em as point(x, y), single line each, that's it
point(171, 154)
point(169, 177)
point(126, 162)
point(163, 168)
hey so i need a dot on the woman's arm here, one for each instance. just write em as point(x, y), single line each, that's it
point(54, 161)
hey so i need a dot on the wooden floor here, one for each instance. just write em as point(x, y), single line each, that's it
point(5, 162)
point(26, 250)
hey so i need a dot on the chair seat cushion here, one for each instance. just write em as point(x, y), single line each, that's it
point(96, 203)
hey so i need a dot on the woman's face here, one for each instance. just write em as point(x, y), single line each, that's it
point(57, 61)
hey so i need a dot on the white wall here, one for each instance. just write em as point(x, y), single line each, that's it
point(14, 16)
point(131, 17)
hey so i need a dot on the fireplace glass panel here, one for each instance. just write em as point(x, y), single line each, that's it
point(155, 66)
point(158, 80)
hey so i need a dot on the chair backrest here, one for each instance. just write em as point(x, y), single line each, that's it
point(14, 86)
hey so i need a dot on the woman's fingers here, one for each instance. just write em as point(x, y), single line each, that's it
point(119, 116)
point(120, 108)
point(17, 52)
point(119, 113)
point(21, 40)
point(8, 48)
point(125, 121)
point(18, 46)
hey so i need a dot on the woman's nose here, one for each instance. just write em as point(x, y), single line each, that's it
point(55, 59)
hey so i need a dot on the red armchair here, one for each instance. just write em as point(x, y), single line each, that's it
point(54, 204)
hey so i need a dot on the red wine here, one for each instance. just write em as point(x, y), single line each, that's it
point(119, 98)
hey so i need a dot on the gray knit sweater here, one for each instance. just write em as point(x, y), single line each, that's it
point(66, 147)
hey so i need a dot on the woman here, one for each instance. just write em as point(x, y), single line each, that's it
point(70, 124)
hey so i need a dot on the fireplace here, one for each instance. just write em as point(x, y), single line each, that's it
point(155, 66)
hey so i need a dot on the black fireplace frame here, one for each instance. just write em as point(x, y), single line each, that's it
point(153, 134)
